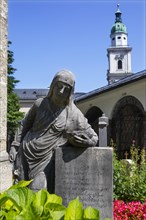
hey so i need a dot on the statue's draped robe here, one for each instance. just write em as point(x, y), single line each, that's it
point(42, 130)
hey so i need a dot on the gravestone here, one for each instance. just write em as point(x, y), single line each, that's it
point(87, 173)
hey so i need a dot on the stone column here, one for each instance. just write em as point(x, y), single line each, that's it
point(3, 73)
point(103, 123)
point(5, 171)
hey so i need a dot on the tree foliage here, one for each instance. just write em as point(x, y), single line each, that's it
point(13, 106)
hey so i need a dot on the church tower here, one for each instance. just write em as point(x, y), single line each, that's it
point(119, 53)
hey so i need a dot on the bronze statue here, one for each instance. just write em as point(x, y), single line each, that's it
point(51, 122)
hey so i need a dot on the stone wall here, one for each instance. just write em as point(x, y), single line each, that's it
point(3, 72)
point(5, 166)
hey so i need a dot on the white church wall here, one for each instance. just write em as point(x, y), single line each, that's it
point(107, 101)
point(25, 105)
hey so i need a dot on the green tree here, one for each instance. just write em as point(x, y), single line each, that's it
point(13, 106)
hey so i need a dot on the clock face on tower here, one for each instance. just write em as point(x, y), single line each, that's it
point(119, 57)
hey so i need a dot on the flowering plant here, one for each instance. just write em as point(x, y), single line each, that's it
point(134, 210)
point(129, 180)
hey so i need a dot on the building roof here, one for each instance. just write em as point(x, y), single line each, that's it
point(33, 94)
point(127, 80)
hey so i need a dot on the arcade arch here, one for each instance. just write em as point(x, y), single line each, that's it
point(93, 115)
point(127, 125)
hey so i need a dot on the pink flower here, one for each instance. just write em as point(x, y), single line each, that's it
point(129, 211)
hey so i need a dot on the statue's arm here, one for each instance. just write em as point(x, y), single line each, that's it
point(24, 126)
point(83, 139)
point(79, 131)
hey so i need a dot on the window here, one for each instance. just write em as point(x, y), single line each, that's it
point(119, 64)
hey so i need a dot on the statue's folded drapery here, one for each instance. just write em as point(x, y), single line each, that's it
point(42, 130)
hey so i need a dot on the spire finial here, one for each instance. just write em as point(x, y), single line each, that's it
point(118, 7)
point(118, 14)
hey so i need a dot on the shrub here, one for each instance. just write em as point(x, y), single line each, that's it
point(129, 180)
point(21, 203)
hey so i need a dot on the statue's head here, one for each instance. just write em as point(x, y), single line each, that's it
point(62, 88)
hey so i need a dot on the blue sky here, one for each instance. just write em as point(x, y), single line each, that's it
point(48, 36)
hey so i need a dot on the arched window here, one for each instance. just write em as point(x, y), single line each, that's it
point(119, 64)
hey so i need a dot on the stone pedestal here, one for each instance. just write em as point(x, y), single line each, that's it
point(87, 173)
point(5, 172)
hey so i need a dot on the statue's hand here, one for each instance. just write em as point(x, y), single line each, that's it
point(12, 154)
point(79, 140)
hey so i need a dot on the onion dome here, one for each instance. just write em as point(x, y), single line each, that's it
point(118, 25)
